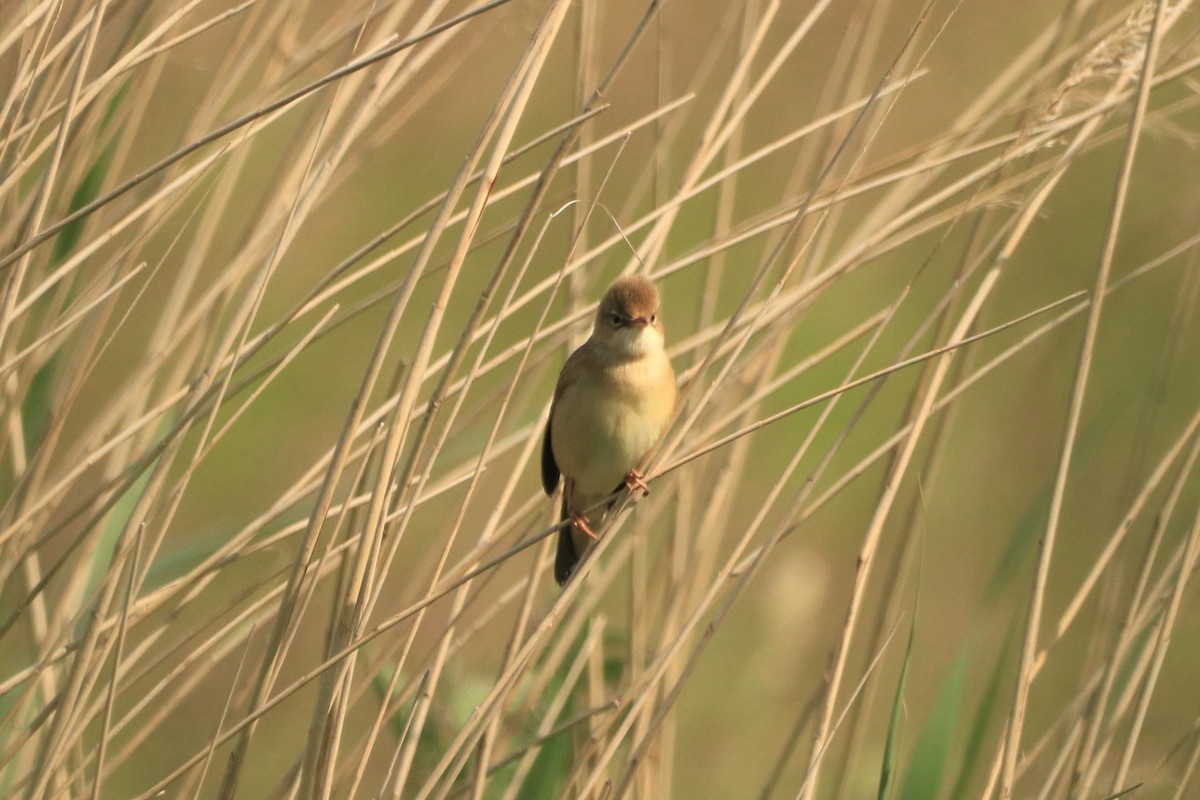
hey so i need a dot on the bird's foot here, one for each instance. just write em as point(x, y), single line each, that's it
point(581, 524)
point(634, 482)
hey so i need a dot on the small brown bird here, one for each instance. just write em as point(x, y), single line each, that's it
point(614, 398)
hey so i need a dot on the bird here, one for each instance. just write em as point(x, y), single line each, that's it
point(613, 400)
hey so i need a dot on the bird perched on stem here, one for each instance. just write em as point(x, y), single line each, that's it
point(614, 398)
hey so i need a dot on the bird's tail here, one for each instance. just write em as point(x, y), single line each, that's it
point(572, 544)
point(566, 556)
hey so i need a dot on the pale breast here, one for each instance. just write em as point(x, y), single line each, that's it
point(605, 422)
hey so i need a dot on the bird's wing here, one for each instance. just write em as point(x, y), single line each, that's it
point(550, 470)
point(550, 473)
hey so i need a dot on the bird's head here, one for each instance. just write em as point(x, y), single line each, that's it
point(627, 320)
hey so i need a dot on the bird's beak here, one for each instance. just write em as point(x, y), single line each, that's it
point(638, 322)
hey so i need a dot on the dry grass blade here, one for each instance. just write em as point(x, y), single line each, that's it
point(1047, 542)
point(241, 122)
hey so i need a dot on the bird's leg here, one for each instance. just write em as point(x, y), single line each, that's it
point(634, 483)
point(578, 519)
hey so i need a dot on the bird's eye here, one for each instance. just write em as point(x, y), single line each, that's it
point(616, 320)
point(653, 318)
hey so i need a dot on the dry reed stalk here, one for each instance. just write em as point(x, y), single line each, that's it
point(1047, 542)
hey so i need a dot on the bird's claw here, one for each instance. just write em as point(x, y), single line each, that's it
point(634, 482)
point(581, 524)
